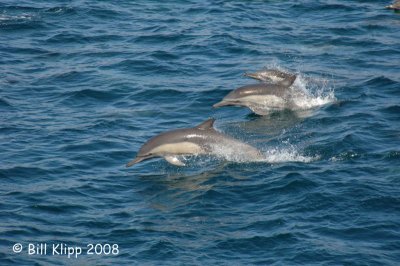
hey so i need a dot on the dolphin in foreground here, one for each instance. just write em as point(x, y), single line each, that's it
point(395, 6)
point(273, 93)
point(202, 139)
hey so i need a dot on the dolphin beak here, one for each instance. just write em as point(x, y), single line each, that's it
point(250, 75)
point(138, 159)
point(221, 103)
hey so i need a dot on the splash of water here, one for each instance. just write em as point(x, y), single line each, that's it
point(287, 154)
point(306, 92)
point(237, 153)
point(311, 93)
point(280, 154)
point(5, 17)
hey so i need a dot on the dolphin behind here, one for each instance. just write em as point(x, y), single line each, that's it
point(202, 139)
point(261, 98)
point(273, 93)
point(273, 76)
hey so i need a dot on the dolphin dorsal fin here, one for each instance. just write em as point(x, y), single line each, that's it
point(208, 124)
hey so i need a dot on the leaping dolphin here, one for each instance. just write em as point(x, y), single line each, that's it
point(273, 76)
point(201, 139)
point(261, 98)
point(273, 93)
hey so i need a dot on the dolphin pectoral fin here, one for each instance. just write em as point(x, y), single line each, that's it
point(173, 160)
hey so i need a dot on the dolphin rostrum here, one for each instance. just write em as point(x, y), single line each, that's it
point(199, 140)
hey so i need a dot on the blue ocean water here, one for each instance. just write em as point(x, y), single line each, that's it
point(83, 84)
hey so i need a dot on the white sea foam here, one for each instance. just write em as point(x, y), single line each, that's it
point(280, 154)
point(236, 153)
point(310, 93)
point(274, 155)
point(5, 17)
point(287, 154)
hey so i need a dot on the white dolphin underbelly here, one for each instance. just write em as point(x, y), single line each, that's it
point(178, 148)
